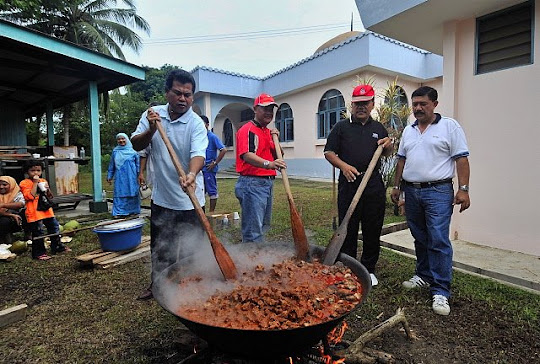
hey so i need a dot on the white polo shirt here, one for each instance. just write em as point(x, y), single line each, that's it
point(430, 155)
point(188, 137)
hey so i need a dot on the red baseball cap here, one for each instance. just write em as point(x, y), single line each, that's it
point(363, 93)
point(264, 100)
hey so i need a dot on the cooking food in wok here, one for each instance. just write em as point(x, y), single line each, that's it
point(287, 295)
point(186, 288)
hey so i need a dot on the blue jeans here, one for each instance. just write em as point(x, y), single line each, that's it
point(428, 213)
point(255, 196)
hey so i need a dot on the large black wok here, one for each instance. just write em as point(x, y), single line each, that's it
point(263, 343)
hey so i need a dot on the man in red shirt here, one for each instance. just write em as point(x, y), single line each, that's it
point(256, 162)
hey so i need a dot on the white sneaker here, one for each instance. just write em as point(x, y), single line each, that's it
point(440, 305)
point(374, 280)
point(415, 282)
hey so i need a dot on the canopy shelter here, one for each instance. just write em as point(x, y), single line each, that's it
point(39, 73)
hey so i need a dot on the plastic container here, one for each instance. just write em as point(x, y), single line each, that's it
point(124, 235)
point(82, 153)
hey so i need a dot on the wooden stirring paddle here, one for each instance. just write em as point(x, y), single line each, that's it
point(298, 231)
point(332, 250)
point(222, 256)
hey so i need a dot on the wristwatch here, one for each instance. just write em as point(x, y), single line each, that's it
point(464, 188)
point(266, 164)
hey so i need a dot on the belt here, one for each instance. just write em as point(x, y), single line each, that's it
point(265, 177)
point(427, 184)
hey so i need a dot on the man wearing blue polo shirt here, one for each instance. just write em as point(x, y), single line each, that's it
point(171, 206)
point(429, 152)
point(214, 154)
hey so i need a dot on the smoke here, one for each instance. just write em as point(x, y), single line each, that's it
point(194, 275)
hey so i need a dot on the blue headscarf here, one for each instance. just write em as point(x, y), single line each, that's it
point(123, 153)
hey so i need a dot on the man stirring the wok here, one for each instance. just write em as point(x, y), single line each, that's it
point(171, 206)
point(256, 163)
point(350, 147)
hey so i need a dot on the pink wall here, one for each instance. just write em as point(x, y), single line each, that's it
point(499, 113)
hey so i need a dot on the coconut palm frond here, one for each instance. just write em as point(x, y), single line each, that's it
point(95, 24)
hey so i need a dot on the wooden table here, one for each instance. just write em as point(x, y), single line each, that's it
point(13, 165)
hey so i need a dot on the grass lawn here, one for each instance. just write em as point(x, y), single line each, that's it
point(78, 315)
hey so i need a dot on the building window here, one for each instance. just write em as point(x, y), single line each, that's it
point(285, 123)
point(395, 102)
point(504, 38)
point(246, 115)
point(228, 134)
point(331, 110)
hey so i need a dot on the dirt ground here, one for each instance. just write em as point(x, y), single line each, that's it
point(80, 315)
point(475, 331)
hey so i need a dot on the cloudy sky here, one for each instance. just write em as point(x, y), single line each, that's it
point(245, 36)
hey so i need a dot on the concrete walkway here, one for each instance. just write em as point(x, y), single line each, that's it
point(506, 266)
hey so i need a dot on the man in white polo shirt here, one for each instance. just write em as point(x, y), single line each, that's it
point(430, 151)
point(172, 209)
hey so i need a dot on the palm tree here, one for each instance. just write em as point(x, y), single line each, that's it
point(95, 24)
point(393, 113)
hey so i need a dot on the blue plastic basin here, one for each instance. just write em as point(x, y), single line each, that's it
point(124, 235)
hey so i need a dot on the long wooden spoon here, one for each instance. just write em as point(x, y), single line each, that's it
point(332, 250)
point(298, 231)
point(222, 256)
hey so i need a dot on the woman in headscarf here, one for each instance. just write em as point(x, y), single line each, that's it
point(11, 204)
point(124, 169)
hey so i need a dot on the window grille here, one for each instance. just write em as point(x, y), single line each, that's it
point(331, 110)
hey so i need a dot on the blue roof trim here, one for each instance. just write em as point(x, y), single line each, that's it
point(366, 49)
point(313, 56)
point(341, 44)
point(217, 70)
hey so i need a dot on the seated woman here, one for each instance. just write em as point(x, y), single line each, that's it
point(11, 205)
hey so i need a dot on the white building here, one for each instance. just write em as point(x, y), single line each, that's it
point(313, 93)
point(491, 86)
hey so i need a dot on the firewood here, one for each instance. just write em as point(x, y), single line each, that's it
point(357, 353)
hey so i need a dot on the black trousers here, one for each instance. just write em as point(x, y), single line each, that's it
point(169, 230)
point(38, 246)
point(370, 212)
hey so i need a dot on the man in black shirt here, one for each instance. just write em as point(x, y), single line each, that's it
point(350, 147)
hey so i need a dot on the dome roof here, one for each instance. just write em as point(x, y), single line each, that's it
point(337, 39)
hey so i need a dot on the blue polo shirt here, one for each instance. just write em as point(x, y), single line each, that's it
point(214, 146)
point(188, 137)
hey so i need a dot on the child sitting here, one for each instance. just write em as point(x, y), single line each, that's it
point(30, 190)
